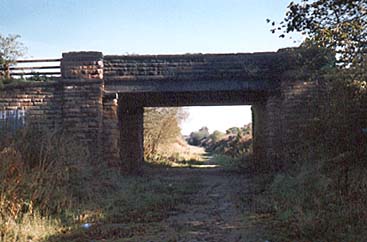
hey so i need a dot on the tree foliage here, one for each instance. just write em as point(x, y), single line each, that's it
point(336, 162)
point(10, 49)
point(161, 127)
point(340, 25)
point(216, 136)
point(196, 138)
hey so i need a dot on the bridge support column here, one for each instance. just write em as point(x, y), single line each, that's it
point(81, 100)
point(274, 147)
point(131, 122)
point(259, 127)
point(111, 131)
point(267, 132)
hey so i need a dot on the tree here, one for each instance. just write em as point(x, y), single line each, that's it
point(10, 49)
point(216, 136)
point(161, 127)
point(196, 138)
point(339, 25)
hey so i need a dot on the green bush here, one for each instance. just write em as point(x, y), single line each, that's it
point(323, 200)
point(227, 162)
point(216, 136)
point(197, 138)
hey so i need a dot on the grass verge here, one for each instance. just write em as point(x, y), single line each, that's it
point(49, 192)
point(126, 207)
point(321, 200)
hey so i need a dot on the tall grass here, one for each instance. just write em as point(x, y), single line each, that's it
point(323, 200)
point(48, 191)
point(42, 174)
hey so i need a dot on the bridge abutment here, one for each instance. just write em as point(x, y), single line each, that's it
point(111, 132)
point(131, 124)
point(274, 143)
point(259, 130)
point(82, 87)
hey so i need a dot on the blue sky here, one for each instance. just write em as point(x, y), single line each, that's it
point(50, 27)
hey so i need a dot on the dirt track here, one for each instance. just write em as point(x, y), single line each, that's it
point(213, 213)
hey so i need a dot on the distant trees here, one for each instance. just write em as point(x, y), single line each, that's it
point(216, 136)
point(196, 138)
point(236, 142)
point(10, 49)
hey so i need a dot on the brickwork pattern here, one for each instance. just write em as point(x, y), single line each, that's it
point(80, 104)
point(192, 66)
point(111, 131)
point(40, 101)
point(87, 65)
point(82, 111)
point(69, 104)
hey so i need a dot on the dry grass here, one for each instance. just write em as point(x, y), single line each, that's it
point(314, 201)
point(48, 191)
point(31, 227)
point(178, 154)
point(42, 174)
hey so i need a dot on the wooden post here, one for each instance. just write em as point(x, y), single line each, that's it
point(7, 70)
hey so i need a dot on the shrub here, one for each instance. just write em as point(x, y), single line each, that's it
point(161, 127)
point(324, 200)
point(43, 173)
point(197, 138)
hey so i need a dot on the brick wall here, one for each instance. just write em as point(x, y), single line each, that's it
point(82, 111)
point(111, 131)
point(86, 65)
point(258, 66)
point(74, 105)
point(289, 117)
point(41, 102)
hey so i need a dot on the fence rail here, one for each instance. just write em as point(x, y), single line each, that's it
point(27, 68)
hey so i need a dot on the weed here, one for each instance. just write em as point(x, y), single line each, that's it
point(43, 174)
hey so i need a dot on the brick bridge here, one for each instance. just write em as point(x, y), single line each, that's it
point(101, 99)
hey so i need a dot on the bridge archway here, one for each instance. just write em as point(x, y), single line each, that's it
point(282, 96)
point(131, 121)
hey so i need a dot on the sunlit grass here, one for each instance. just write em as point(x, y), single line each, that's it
point(129, 202)
point(226, 161)
point(31, 227)
point(117, 211)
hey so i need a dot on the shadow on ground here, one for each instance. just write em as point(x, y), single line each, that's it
point(176, 204)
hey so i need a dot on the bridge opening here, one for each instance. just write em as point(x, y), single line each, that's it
point(197, 136)
point(133, 115)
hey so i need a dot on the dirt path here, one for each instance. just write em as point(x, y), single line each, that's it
point(213, 213)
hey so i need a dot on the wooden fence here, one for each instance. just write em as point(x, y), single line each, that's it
point(31, 68)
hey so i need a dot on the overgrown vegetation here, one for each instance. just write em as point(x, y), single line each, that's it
point(42, 173)
point(323, 196)
point(162, 135)
point(10, 49)
point(48, 191)
point(232, 149)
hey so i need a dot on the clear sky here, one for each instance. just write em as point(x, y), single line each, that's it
point(50, 27)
